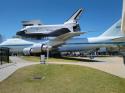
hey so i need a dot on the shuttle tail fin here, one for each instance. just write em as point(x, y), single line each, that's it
point(75, 16)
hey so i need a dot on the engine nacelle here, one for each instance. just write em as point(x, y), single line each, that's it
point(45, 47)
point(27, 51)
point(37, 48)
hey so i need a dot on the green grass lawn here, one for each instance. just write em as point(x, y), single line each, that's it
point(37, 59)
point(63, 59)
point(61, 79)
point(31, 58)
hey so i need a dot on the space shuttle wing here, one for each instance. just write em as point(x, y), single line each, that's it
point(59, 32)
point(62, 38)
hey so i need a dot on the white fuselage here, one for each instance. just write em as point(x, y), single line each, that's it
point(75, 44)
point(17, 44)
point(86, 44)
point(46, 29)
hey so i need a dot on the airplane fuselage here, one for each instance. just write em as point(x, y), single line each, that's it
point(49, 30)
point(17, 44)
point(86, 44)
point(74, 44)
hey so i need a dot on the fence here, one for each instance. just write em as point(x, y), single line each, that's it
point(4, 55)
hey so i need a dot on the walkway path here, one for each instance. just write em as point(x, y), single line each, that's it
point(7, 69)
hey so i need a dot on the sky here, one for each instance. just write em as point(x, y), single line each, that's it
point(98, 15)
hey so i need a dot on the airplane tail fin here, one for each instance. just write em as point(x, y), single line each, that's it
point(113, 31)
point(75, 16)
point(118, 29)
point(123, 19)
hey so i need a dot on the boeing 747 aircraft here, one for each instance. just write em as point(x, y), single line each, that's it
point(28, 46)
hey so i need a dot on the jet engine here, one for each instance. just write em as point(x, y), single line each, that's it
point(26, 51)
point(37, 48)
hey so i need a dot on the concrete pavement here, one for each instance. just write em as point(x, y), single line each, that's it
point(7, 69)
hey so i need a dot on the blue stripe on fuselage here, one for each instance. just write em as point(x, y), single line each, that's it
point(96, 43)
point(16, 46)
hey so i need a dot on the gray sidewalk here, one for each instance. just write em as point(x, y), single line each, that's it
point(7, 69)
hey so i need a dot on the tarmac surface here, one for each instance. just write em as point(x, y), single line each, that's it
point(111, 65)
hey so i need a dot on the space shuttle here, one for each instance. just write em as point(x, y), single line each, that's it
point(34, 29)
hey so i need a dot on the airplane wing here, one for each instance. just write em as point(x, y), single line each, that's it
point(51, 44)
point(62, 38)
point(59, 32)
point(120, 39)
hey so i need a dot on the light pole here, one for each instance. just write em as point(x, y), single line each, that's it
point(47, 52)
